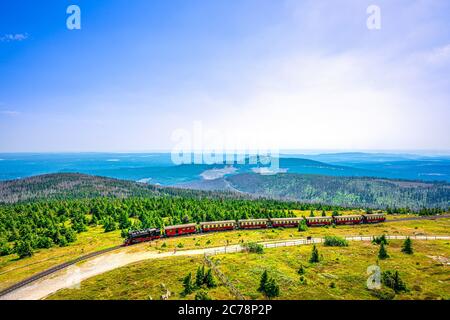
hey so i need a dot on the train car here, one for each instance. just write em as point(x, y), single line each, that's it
point(348, 220)
point(217, 226)
point(179, 230)
point(253, 224)
point(318, 221)
point(374, 218)
point(142, 236)
point(285, 222)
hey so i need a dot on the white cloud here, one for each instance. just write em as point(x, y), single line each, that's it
point(439, 55)
point(14, 37)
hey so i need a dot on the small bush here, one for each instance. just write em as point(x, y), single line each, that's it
point(333, 241)
point(383, 294)
point(380, 240)
point(202, 295)
point(392, 280)
point(254, 247)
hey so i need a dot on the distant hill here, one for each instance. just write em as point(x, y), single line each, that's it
point(73, 186)
point(345, 191)
point(332, 190)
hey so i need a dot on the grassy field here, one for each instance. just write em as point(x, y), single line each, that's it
point(13, 270)
point(341, 274)
point(142, 281)
point(344, 268)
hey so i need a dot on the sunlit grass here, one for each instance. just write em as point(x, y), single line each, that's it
point(345, 267)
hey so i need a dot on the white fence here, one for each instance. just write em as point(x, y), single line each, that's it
point(299, 242)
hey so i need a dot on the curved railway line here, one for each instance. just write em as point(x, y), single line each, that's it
point(101, 252)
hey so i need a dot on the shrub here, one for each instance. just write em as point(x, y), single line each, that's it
point(379, 240)
point(392, 280)
point(254, 247)
point(383, 294)
point(268, 286)
point(202, 295)
point(334, 241)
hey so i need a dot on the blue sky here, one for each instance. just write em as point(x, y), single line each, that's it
point(288, 74)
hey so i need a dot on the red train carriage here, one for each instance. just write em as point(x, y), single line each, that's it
point(173, 231)
point(217, 226)
point(285, 222)
point(253, 224)
point(348, 220)
point(374, 218)
point(142, 236)
point(318, 221)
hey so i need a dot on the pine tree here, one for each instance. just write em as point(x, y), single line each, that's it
point(187, 284)
point(301, 270)
point(399, 284)
point(24, 249)
point(407, 246)
point(302, 226)
point(382, 254)
point(314, 255)
point(272, 289)
point(209, 279)
point(263, 282)
point(200, 276)
point(324, 214)
point(312, 213)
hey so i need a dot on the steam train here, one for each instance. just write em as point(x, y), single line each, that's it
point(146, 235)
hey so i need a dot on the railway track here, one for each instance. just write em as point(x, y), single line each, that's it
point(97, 253)
point(55, 269)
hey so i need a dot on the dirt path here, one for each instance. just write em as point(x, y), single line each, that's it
point(73, 275)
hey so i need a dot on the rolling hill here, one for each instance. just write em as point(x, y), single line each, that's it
point(333, 190)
